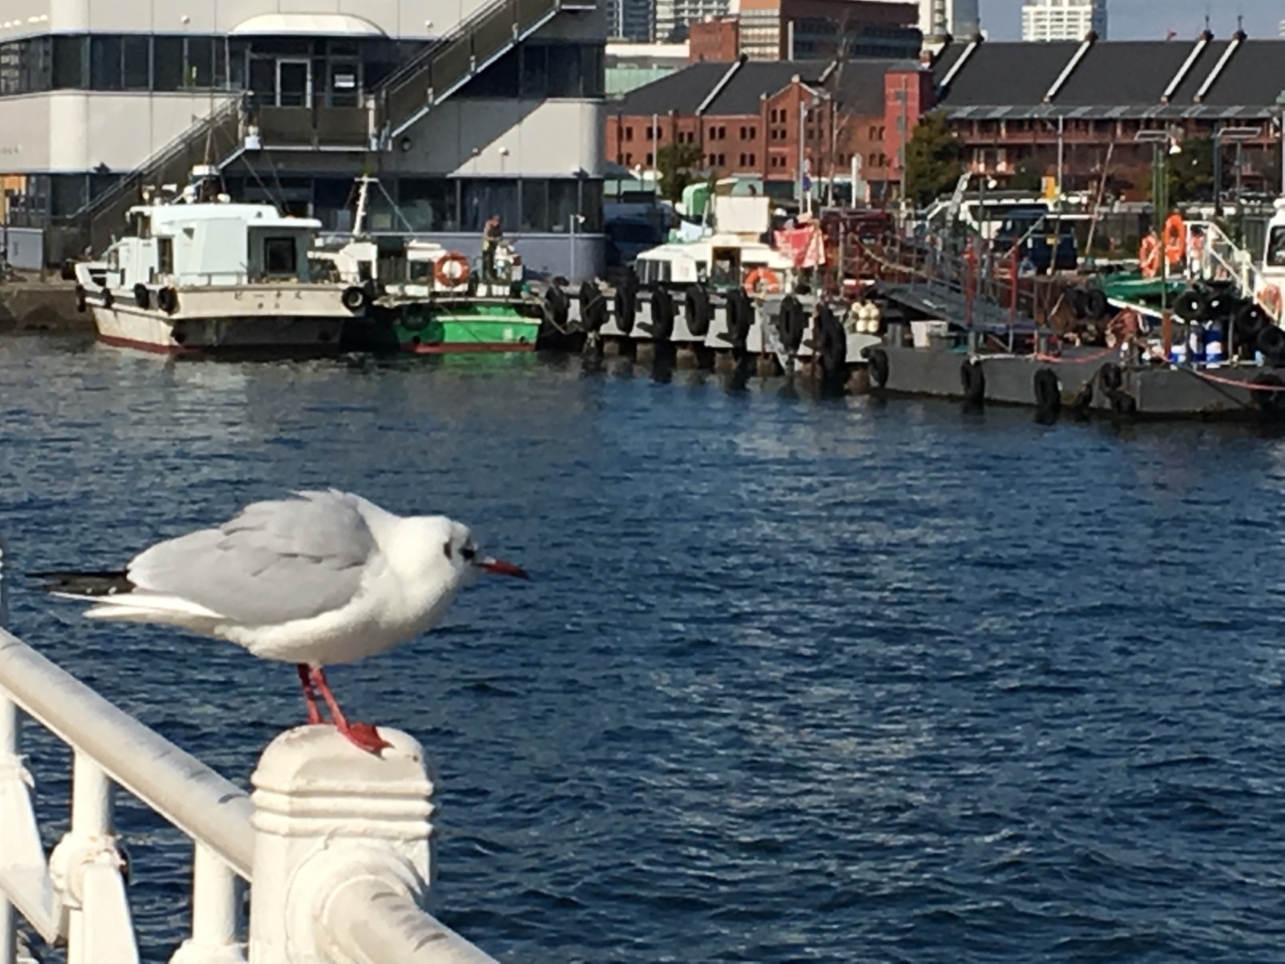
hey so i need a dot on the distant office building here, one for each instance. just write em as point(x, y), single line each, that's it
point(1281, 29)
point(955, 18)
point(1045, 20)
point(814, 30)
point(634, 65)
point(631, 20)
point(674, 16)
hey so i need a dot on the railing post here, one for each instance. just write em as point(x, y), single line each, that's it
point(215, 914)
point(86, 867)
point(8, 757)
point(327, 815)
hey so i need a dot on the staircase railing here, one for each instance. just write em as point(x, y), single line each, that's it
point(104, 214)
point(441, 69)
point(335, 842)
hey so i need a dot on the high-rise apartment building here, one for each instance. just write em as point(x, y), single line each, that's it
point(674, 16)
point(631, 20)
point(956, 18)
point(1063, 19)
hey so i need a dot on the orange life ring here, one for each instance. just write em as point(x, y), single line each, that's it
point(1270, 298)
point(453, 278)
point(1149, 256)
point(771, 281)
point(1174, 237)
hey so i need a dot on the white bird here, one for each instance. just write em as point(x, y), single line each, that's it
point(316, 579)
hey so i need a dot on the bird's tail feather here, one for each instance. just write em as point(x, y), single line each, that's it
point(143, 607)
point(67, 581)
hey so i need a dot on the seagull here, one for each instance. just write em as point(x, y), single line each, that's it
point(315, 579)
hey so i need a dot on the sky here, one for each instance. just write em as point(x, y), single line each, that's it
point(1147, 20)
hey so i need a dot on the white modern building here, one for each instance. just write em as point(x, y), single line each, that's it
point(464, 109)
point(960, 19)
point(673, 16)
point(1044, 20)
point(633, 20)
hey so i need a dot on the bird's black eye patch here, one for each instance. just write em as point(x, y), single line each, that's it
point(468, 552)
point(446, 548)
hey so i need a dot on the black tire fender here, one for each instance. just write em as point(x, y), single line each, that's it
point(142, 297)
point(354, 298)
point(877, 359)
point(973, 380)
point(1048, 391)
point(697, 308)
point(1111, 377)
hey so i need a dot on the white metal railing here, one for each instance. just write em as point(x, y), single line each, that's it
point(335, 842)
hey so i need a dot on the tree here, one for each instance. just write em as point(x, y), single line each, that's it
point(933, 160)
point(675, 163)
point(1191, 172)
point(1027, 177)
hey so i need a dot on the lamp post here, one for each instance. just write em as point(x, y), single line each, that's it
point(1158, 139)
point(1237, 136)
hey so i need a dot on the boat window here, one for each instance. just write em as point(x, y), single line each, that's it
point(165, 255)
point(419, 270)
point(1276, 247)
point(726, 267)
point(279, 257)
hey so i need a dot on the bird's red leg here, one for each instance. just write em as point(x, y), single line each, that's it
point(309, 694)
point(362, 735)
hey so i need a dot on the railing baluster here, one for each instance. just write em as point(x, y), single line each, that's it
point(91, 822)
point(9, 737)
point(215, 914)
point(8, 754)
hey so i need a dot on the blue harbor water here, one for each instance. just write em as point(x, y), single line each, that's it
point(795, 680)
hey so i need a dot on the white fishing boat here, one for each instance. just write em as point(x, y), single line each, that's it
point(197, 273)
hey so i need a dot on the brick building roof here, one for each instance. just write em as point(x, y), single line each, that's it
point(1108, 79)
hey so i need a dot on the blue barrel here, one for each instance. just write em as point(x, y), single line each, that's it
point(1215, 346)
point(1195, 344)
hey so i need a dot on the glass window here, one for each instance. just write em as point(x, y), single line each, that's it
point(263, 80)
point(165, 255)
point(199, 65)
point(68, 193)
point(484, 197)
point(167, 63)
point(498, 80)
point(564, 71)
point(105, 63)
point(279, 257)
point(535, 205)
point(345, 83)
point(534, 79)
point(563, 203)
point(138, 57)
point(591, 205)
point(71, 60)
point(429, 204)
point(10, 82)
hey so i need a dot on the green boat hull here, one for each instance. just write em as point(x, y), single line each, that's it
point(430, 329)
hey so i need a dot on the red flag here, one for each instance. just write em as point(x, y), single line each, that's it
point(1170, 34)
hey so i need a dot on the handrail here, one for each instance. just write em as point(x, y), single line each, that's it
point(204, 805)
point(338, 842)
point(157, 160)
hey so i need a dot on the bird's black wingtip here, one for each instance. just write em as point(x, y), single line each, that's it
point(102, 583)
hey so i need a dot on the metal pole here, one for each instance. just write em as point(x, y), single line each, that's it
point(1283, 153)
point(1059, 156)
point(1218, 174)
point(573, 249)
point(803, 116)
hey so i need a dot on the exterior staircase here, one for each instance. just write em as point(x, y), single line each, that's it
point(443, 68)
point(397, 103)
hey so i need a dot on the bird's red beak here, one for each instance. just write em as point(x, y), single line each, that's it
point(502, 568)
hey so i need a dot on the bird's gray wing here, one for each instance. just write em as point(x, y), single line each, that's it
point(274, 562)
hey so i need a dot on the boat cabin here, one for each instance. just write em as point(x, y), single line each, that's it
point(218, 243)
point(720, 260)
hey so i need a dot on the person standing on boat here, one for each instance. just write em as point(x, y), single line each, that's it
point(492, 234)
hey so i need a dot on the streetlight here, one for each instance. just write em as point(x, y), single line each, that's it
point(1238, 136)
point(1160, 204)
